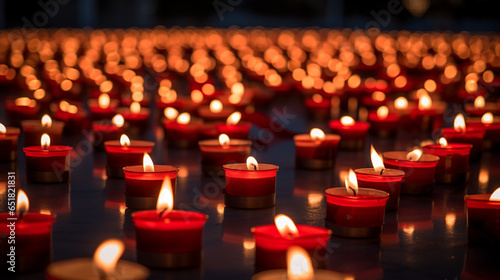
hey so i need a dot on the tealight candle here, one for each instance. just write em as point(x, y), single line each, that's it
point(34, 129)
point(167, 97)
point(106, 264)
point(383, 123)
point(215, 112)
point(250, 185)
point(375, 100)
point(428, 114)
point(233, 127)
point(480, 107)
point(103, 107)
point(316, 150)
point(318, 107)
point(355, 212)
point(419, 169)
point(136, 116)
point(381, 178)
point(217, 152)
point(353, 133)
point(135, 96)
point(491, 125)
point(483, 211)
point(22, 108)
point(33, 237)
point(106, 131)
point(46, 163)
point(453, 165)
point(460, 133)
point(169, 238)
point(272, 241)
point(123, 152)
point(181, 131)
point(73, 115)
point(8, 143)
point(143, 183)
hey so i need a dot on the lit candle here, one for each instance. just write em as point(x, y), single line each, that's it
point(32, 233)
point(169, 238)
point(491, 125)
point(181, 131)
point(480, 107)
point(381, 178)
point(217, 152)
point(47, 163)
point(102, 107)
point(383, 123)
point(106, 131)
point(233, 127)
point(143, 183)
point(22, 108)
point(8, 143)
point(353, 133)
point(106, 264)
point(123, 152)
point(460, 133)
point(136, 116)
point(318, 107)
point(239, 96)
point(73, 115)
point(355, 212)
point(215, 112)
point(419, 169)
point(316, 150)
point(167, 97)
point(483, 211)
point(375, 100)
point(453, 165)
point(429, 113)
point(34, 129)
point(250, 185)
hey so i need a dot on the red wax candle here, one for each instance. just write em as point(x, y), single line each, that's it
point(468, 135)
point(237, 131)
point(183, 132)
point(73, 115)
point(389, 181)
point(453, 165)
point(47, 164)
point(357, 216)
point(247, 187)
point(316, 150)
point(214, 154)
point(119, 156)
point(482, 219)
point(428, 114)
point(318, 107)
point(377, 99)
point(480, 107)
point(8, 143)
point(103, 108)
point(353, 133)
point(104, 131)
point(34, 129)
point(136, 116)
point(491, 126)
point(383, 123)
point(22, 108)
point(215, 112)
point(419, 175)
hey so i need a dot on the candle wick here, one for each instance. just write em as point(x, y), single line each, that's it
point(161, 213)
point(382, 171)
point(353, 190)
point(21, 215)
point(254, 166)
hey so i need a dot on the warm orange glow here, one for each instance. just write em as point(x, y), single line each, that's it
point(135, 108)
point(124, 140)
point(25, 101)
point(479, 102)
point(106, 86)
point(450, 71)
point(487, 118)
point(252, 163)
point(459, 123)
point(165, 202)
point(401, 103)
point(196, 96)
point(208, 89)
point(3, 129)
point(137, 96)
point(442, 141)
point(317, 98)
point(414, 155)
point(285, 226)
point(354, 81)
point(237, 89)
point(377, 162)
point(347, 121)
point(118, 120)
point(169, 96)
point(39, 94)
point(106, 256)
point(234, 98)
point(393, 70)
point(400, 81)
point(224, 140)
point(471, 86)
point(495, 196)
point(378, 96)
point(45, 141)
point(234, 118)
point(216, 106)
point(46, 121)
point(351, 183)
point(317, 134)
point(425, 102)
point(72, 109)
point(104, 101)
point(23, 204)
point(66, 85)
point(64, 105)
point(170, 113)
point(430, 85)
point(450, 219)
point(299, 266)
point(147, 163)
point(382, 112)
point(184, 118)
point(488, 76)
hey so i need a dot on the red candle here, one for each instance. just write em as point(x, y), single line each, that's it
point(483, 212)
point(419, 170)
point(22, 108)
point(167, 97)
point(182, 132)
point(233, 127)
point(377, 99)
point(143, 183)
point(46, 163)
point(273, 241)
point(480, 107)
point(383, 123)
point(316, 150)
point(250, 185)
point(104, 130)
point(32, 233)
point(381, 178)
point(453, 165)
point(34, 129)
point(353, 133)
point(318, 107)
point(125, 153)
point(136, 116)
point(169, 238)
point(136, 96)
point(8, 143)
point(468, 135)
point(428, 114)
point(103, 107)
point(355, 212)
point(215, 112)
point(217, 152)
point(491, 126)
point(73, 115)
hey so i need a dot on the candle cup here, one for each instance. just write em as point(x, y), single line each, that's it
point(388, 181)
point(175, 241)
point(85, 269)
point(143, 187)
point(98, 113)
point(214, 155)
point(471, 135)
point(383, 127)
point(33, 241)
point(103, 131)
point(234, 131)
point(353, 137)
point(51, 165)
point(8, 144)
point(281, 274)
point(482, 220)
point(250, 189)
point(316, 154)
point(271, 247)
point(419, 175)
point(119, 156)
point(33, 131)
point(16, 113)
point(74, 123)
point(182, 135)
point(318, 110)
point(429, 119)
point(492, 132)
point(208, 131)
point(360, 216)
point(208, 116)
point(138, 122)
point(453, 164)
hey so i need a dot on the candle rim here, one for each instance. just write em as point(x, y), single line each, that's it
point(37, 124)
point(358, 125)
point(243, 167)
point(133, 144)
point(262, 230)
point(94, 102)
point(481, 197)
point(133, 268)
point(367, 171)
point(393, 155)
point(11, 131)
point(323, 273)
point(307, 138)
point(450, 146)
point(159, 168)
point(375, 194)
point(232, 143)
point(51, 149)
point(29, 217)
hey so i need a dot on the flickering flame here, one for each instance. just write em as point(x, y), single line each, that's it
point(351, 183)
point(378, 96)
point(135, 108)
point(234, 99)
point(414, 155)
point(425, 102)
point(106, 256)
point(147, 163)
point(170, 113)
point(104, 101)
point(317, 98)
point(196, 96)
point(45, 141)
point(118, 120)
point(495, 196)
point(237, 89)
point(124, 140)
point(165, 202)
point(39, 94)
point(252, 163)
point(64, 105)
point(450, 219)
point(442, 141)
point(347, 121)
point(234, 118)
point(479, 102)
point(285, 226)
point(401, 103)
point(72, 109)
point(3, 129)
point(299, 266)
point(46, 121)
point(224, 140)
point(23, 204)
point(382, 112)
point(377, 162)
point(317, 134)
point(137, 96)
point(184, 118)
point(25, 101)
point(487, 118)
point(215, 106)
point(459, 123)
point(169, 97)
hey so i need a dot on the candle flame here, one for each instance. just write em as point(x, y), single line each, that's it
point(442, 141)
point(3, 129)
point(377, 162)
point(347, 121)
point(23, 204)
point(378, 96)
point(252, 163)
point(425, 102)
point(165, 202)
point(124, 140)
point(147, 163)
point(104, 100)
point(46, 121)
point(170, 113)
point(25, 101)
point(184, 118)
point(414, 155)
point(64, 105)
point(351, 183)
point(495, 196)
point(106, 256)
point(299, 266)
point(234, 99)
point(137, 96)
point(72, 109)
point(169, 97)
point(487, 118)
point(135, 107)
point(459, 123)
point(118, 120)
point(45, 141)
point(216, 106)
point(317, 134)
point(39, 94)
point(234, 118)
point(285, 226)
point(196, 96)
point(401, 103)
point(479, 102)
point(382, 112)
point(106, 86)
point(317, 98)
point(224, 140)
point(237, 89)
